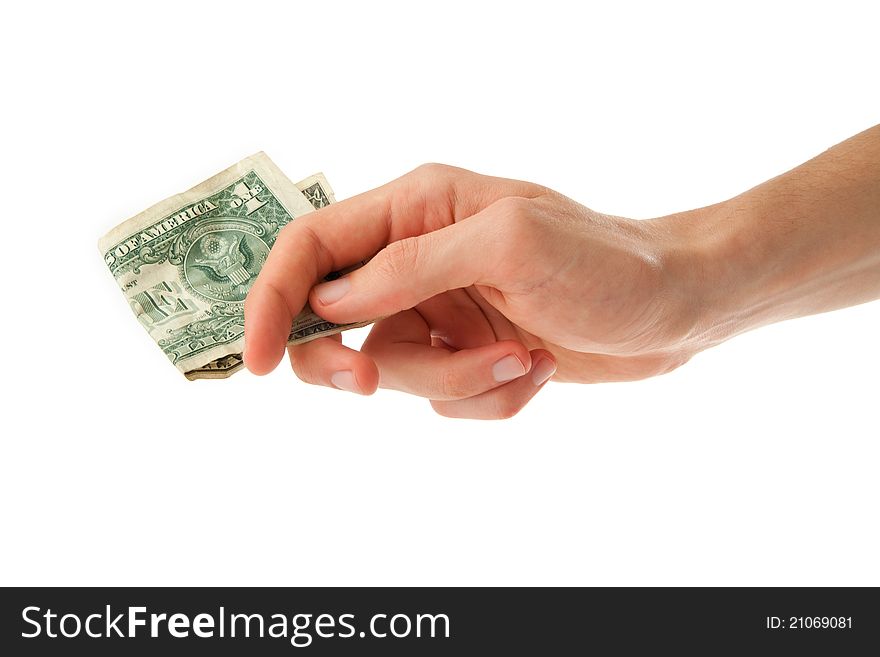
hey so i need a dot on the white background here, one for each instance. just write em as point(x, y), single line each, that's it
point(757, 463)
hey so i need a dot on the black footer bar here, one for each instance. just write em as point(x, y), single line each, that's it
point(438, 621)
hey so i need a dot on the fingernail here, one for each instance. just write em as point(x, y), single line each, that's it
point(543, 370)
point(508, 368)
point(344, 380)
point(333, 291)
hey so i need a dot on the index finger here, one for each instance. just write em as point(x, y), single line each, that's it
point(347, 232)
point(306, 250)
point(310, 247)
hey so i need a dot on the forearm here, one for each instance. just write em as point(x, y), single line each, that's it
point(805, 242)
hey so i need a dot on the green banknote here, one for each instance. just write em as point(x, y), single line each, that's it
point(186, 264)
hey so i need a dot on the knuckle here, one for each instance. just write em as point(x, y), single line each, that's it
point(514, 208)
point(516, 218)
point(431, 170)
point(452, 384)
point(302, 236)
point(300, 368)
point(513, 226)
point(288, 232)
point(399, 259)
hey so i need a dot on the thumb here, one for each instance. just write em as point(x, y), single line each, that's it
point(409, 271)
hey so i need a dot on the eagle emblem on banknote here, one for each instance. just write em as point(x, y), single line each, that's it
point(222, 263)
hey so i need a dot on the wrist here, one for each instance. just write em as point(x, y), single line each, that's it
point(714, 261)
point(805, 242)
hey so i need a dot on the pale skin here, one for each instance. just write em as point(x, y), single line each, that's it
point(491, 287)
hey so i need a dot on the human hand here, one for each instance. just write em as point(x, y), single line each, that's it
point(488, 288)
